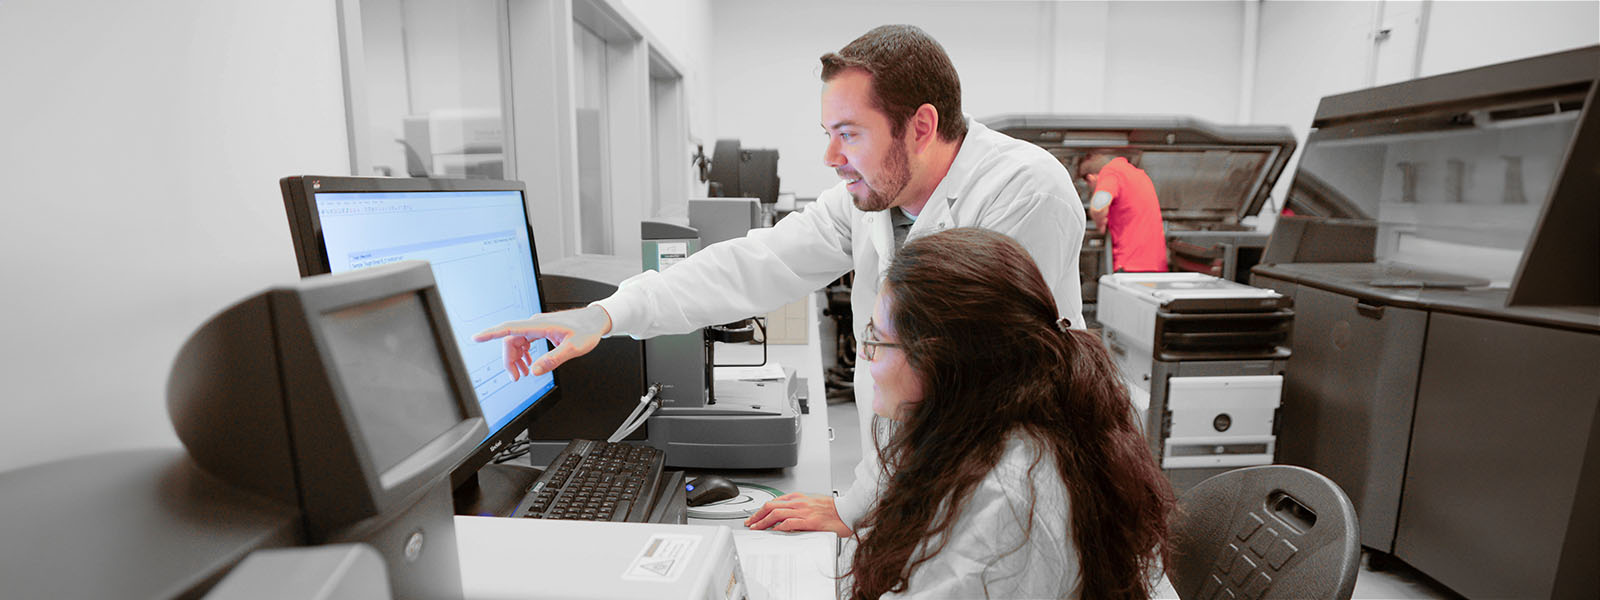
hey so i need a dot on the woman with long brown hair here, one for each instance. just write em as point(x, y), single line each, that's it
point(1016, 468)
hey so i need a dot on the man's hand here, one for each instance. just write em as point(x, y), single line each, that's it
point(575, 333)
point(799, 512)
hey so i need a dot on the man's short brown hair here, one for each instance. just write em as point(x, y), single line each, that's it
point(1092, 161)
point(908, 68)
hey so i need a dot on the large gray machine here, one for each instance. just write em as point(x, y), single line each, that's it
point(1444, 370)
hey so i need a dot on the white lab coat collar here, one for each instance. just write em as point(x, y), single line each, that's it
point(882, 229)
point(938, 214)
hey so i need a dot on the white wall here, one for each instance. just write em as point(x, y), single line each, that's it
point(421, 57)
point(1013, 57)
point(1309, 50)
point(682, 28)
point(141, 152)
point(1115, 57)
point(1463, 35)
point(1173, 57)
point(766, 89)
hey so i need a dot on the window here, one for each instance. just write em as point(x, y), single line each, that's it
point(428, 89)
point(592, 96)
point(670, 167)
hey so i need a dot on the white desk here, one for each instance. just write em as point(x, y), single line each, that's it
point(534, 559)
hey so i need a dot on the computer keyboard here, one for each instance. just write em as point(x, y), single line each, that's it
point(596, 481)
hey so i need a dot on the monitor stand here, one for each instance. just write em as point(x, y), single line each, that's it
point(495, 490)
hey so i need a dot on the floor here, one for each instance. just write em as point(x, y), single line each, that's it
point(1397, 583)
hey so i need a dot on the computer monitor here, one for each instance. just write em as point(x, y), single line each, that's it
point(476, 234)
point(738, 172)
point(344, 398)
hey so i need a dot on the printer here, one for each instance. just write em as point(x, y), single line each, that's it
point(1203, 358)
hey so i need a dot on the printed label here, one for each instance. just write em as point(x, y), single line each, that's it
point(671, 253)
point(664, 558)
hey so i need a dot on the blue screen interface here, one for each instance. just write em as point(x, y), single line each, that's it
point(478, 246)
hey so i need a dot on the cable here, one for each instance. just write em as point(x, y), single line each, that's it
point(635, 419)
point(516, 449)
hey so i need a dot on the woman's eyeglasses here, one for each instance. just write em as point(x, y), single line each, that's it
point(870, 343)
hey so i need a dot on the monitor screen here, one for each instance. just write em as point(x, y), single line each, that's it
point(392, 382)
point(482, 258)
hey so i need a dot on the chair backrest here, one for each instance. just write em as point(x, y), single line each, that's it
point(1274, 531)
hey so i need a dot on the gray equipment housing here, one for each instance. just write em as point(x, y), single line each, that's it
point(1460, 416)
point(135, 524)
point(1209, 355)
point(748, 425)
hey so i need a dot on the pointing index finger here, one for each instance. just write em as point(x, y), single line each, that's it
point(531, 329)
point(496, 332)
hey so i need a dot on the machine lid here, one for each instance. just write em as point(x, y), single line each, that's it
point(1207, 176)
point(1166, 287)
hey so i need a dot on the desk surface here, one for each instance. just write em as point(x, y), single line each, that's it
point(530, 558)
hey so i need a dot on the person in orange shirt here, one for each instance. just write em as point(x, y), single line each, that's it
point(1124, 205)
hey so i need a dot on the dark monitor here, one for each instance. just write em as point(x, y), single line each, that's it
point(476, 235)
point(738, 172)
point(344, 397)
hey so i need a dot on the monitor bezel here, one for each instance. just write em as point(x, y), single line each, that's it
point(299, 197)
point(299, 311)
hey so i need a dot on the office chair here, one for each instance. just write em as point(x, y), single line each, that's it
point(1274, 531)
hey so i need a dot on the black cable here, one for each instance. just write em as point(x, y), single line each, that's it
point(516, 449)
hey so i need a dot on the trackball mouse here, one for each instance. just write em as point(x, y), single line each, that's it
point(710, 488)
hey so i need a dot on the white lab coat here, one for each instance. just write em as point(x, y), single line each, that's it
point(996, 182)
point(1012, 538)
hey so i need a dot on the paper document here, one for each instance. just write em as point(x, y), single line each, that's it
point(788, 566)
point(771, 370)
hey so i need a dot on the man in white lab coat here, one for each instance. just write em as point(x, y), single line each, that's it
point(912, 164)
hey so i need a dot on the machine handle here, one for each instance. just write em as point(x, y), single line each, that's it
point(1370, 311)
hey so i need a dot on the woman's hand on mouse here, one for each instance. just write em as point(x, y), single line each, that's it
point(800, 512)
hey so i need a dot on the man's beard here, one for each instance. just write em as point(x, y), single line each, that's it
point(896, 173)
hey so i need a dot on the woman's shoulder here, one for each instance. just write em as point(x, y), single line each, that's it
point(1024, 453)
point(1014, 532)
point(1026, 463)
